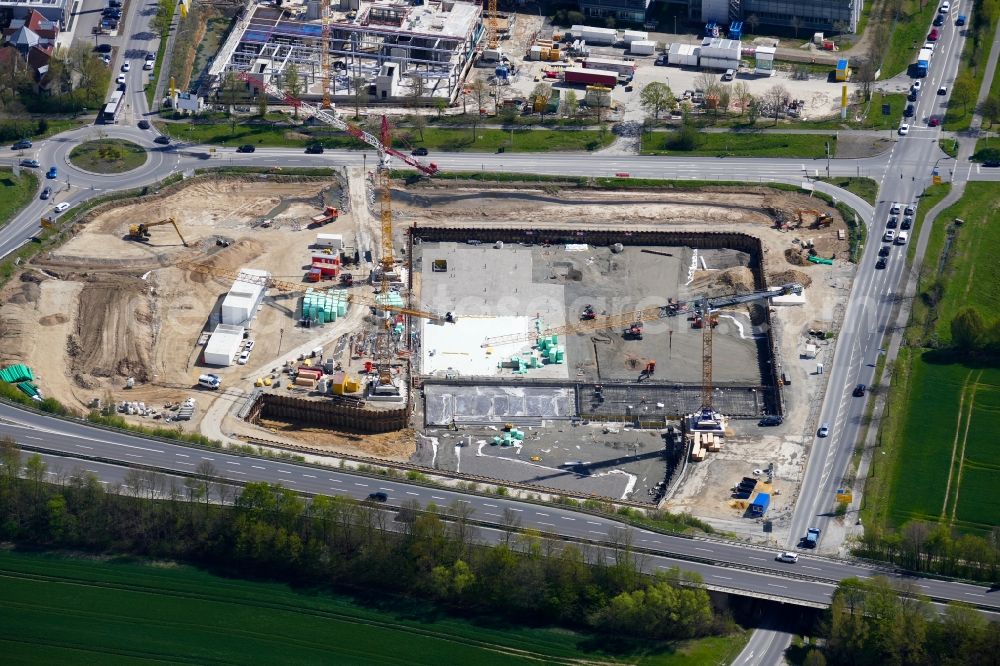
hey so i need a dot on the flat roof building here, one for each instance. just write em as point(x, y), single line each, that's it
point(224, 345)
point(244, 296)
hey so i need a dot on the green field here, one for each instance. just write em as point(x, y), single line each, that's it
point(907, 36)
point(866, 188)
point(434, 138)
point(108, 156)
point(747, 144)
point(56, 609)
point(939, 439)
point(15, 193)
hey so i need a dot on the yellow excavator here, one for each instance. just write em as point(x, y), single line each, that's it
point(140, 232)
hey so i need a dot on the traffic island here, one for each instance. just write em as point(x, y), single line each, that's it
point(108, 156)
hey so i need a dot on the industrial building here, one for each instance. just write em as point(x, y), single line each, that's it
point(244, 296)
point(398, 49)
point(827, 15)
point(224, 345)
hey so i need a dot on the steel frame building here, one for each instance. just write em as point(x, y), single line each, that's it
point(400, 50)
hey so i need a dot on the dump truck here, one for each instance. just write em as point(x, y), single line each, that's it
point(811, 538)
point(329, 214)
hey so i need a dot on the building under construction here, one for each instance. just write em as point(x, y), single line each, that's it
point(395, 49)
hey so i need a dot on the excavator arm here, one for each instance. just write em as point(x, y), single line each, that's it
point(138, 231)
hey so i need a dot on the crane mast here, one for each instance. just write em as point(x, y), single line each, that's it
point(325, 53)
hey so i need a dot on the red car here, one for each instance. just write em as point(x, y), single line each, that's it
point(934, 121)
point(933, 36)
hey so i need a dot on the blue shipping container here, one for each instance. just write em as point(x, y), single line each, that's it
point(760, 504)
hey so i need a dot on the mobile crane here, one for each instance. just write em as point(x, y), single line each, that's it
point(140, 232)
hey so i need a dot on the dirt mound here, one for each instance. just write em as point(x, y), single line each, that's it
point(26, 292)
point(795, 257)
point(231, 258)
point(114, 336)
point(740, 279)
point(791, 275)
point(53, 319)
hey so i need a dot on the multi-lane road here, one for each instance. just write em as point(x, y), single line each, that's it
point(902, 173)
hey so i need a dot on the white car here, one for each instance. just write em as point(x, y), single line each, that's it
point(61, 207)
point(248, 346)
point(126, 67)
point(120, 79)
point(244, 357)
point(889, 236)
point(945, 7)
point(148, 65)
point(788, 557)
point(916, 85)
point(904, 129)
point(929, 45)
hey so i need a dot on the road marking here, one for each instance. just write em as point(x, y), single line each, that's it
point(181, 462)
point(568, 518)
point(335, 480)
point(231, 462)
point(96, 472)
point(291, 480)
point(518, 510)
point(596, 532)
point(363, 485)
point(284, 471)
point(591, 522)
point(207, 458)
point(972, 594)
point(388, 490)
point(309, 476)
point(256, 466)
point(759, 559)
point(133, 455)
point(236, 471)
point(436, 497)
point(492, 506)
point(549, 524)
point(81, 446)
point(411, 493)
point(781, 586)
point(182, 455)
point(496, 515)
point(465, 501)
point(539, 513)
point(34, 438)
point(704, 549)
point(813, 568)
point(722, 577)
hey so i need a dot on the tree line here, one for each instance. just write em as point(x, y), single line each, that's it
point(875, 623)
point(973, 335)
point(929, 547)
point(263, 530)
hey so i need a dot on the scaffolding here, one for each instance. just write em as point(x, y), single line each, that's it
point(399, 50)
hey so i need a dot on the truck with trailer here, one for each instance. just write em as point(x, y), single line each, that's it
point(590, 77)
point(924, 61)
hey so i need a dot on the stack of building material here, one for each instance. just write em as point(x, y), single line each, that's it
point(14, 374)
point(324, 306)
point(391, 298)
point(697, 452)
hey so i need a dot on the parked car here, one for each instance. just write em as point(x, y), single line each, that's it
point(61, 207)
point(960, 20)
point(23, 144)
point(103, 48)
point(126, 66)
point(912, 97)
point(909, 111)
point(859, 391)
point(162, 139)
point(939, 20)
point(52, 173)
point(916, 86)
point(770, 421)
point(148, 65)
point(143, 124)
point(246, 148)
point(378, 497)
point(904, 129)
point(944, 8)
point(244, 357)
point(935, 121)
point(314, 149)
point(991, 163)
point(791, 558)
point(46, 193)
point(248, 345)
point(30, 163)
point(419, 152)
point(824, 430)
point(888, 236)
point(933, 35)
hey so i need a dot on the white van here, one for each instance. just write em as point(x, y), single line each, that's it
point(210, 381)
point(902, 237)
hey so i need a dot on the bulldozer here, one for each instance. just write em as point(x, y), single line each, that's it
point(140, 232)
point(633, 332)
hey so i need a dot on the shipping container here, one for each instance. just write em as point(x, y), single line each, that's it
point(610, 65)
point(642, 47)
point(760, 504)
point(593, 77)
point(728, 49)
point(683, 55)
point(603, 36)
point(630, 36)
point(718, 63)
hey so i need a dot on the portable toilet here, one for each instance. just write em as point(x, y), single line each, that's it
point(843, 70)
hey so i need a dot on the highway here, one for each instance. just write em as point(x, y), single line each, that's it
point(735, 566)
point(902, 173)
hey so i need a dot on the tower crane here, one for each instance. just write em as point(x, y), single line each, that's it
point(383, 145)
point(325, 53)
point(492, 25)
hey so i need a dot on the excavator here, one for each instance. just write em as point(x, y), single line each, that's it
point(820, 219)
point(140, 232)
